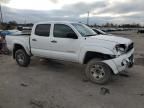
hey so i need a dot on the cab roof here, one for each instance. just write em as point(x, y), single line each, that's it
point(64, 22)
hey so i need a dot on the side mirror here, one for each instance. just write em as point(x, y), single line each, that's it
point(72, 36)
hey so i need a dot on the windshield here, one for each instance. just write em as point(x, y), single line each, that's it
point(84, 30)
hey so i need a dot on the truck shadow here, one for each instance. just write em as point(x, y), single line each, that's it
point(57, 66)
point(69, 69)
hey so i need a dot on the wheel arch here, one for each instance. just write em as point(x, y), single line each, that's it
point(16, 47)
point(92, 54)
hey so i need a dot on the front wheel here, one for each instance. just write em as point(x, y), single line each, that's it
point(22, 58)
point(98, 72)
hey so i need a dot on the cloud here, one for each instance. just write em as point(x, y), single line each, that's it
point(4, 1)
point(82, 7)
point(123, 7)
point(122, 11)
point(54, 1)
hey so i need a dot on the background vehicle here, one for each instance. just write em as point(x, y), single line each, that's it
point(101, 55)
point(10, 32)
point(100, 32)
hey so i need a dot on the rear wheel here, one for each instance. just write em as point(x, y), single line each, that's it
point(22, 58)
point(98, 72)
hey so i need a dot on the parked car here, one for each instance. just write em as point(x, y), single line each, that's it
point(10, 32)
point(140, 31)
point(101, 55)
point(100, 32)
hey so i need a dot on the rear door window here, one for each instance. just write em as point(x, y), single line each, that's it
point(43, 30)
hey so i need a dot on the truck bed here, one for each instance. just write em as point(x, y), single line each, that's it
point(23, 39)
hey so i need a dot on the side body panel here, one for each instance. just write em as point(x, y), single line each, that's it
point(20, 40)
point(63, 48)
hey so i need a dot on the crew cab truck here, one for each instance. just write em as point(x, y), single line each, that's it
point(101, 55)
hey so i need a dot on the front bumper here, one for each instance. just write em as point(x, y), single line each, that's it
point(122, 62)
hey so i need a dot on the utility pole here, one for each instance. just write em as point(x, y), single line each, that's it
point(1, 14)
point(88, 18)
point(25, 21)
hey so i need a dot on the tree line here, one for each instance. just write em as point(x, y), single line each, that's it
point(14, 24)
point(134, 25)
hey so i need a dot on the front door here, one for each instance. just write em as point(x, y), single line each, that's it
point(64, 47)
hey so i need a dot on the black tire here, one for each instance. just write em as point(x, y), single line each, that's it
point(22, 58)
point(98, 72)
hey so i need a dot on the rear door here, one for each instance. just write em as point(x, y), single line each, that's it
point(40, 40)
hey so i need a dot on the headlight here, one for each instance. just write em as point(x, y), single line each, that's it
point(120, 48)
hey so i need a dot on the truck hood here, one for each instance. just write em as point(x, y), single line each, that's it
point(115, 39)
point(106, 41)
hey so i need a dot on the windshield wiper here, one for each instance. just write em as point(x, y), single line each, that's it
point(91, 35)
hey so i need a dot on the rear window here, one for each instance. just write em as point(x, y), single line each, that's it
point(42, 29)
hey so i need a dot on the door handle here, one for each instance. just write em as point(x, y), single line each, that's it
point(53, 41)
point(34, 40)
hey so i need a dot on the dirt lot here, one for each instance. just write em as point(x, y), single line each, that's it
point(55, 84)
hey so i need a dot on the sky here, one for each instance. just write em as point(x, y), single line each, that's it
point(101, 11)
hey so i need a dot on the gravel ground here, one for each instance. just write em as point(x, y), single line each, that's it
point(56, 84)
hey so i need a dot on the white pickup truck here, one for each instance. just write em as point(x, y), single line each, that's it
point(102, 55)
